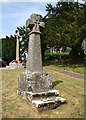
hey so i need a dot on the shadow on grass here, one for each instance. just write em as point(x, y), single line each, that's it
point(76, 67)
point(62, 64)
point(55, 83)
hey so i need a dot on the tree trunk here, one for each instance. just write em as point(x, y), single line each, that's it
point(76, 54)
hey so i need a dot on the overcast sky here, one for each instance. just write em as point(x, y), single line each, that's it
point(13, 14)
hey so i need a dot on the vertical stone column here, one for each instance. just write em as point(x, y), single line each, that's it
point(34, 58)
point(34, 62)
point(17, 47)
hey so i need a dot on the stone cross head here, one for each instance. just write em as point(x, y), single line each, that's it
point(34, 22)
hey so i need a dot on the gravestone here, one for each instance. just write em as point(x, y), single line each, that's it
point(16, 65)
point(33, 84)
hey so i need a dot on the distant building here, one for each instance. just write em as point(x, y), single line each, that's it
point(58, 50)
point(53, 50)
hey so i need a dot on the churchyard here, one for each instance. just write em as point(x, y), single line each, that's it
point(43, 90)
point(13, 106)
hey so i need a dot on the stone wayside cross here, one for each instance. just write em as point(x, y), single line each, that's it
point(34, 79)
point(34, 84)
point(34, 60)
point(17, 46)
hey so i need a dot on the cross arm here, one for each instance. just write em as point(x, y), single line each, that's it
point(42, 24)
point(29, 23)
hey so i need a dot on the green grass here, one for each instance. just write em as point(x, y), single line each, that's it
point(77, 67)
point(13, 106)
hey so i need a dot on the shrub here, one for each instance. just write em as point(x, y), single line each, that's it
point(54, 56)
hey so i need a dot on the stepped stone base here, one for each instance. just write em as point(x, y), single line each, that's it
point(43, 100)
point(14, 66)
point(46, 104)
point(37, 89)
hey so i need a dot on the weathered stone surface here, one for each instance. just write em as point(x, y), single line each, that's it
point(34, 60)
point(42, 95)
point(43, 100)
point(22, 83)
point(33, 18)
point(35, 82)
point(48, 103)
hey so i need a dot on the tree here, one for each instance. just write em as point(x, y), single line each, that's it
point(8, 48)
point(66, 26)
point(9, 44)
point(23, 31)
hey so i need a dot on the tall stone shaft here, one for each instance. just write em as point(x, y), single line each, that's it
point(17, 47)
point(34, 60)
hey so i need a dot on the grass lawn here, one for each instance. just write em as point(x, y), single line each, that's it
point(13, 106)
point(78, 68)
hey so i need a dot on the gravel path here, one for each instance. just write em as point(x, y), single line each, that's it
point(72, 74)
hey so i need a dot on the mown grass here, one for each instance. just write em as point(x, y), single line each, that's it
point(75, 67)
point(13, 106)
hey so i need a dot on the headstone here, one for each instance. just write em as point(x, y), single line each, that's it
point(34, 84)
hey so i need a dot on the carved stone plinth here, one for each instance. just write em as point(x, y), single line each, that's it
point(35, 82)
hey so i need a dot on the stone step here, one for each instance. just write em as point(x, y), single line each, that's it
point(41, 95)
point(43, 100)
point(49, 103)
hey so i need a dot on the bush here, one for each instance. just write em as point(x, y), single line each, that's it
point(54, 56)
